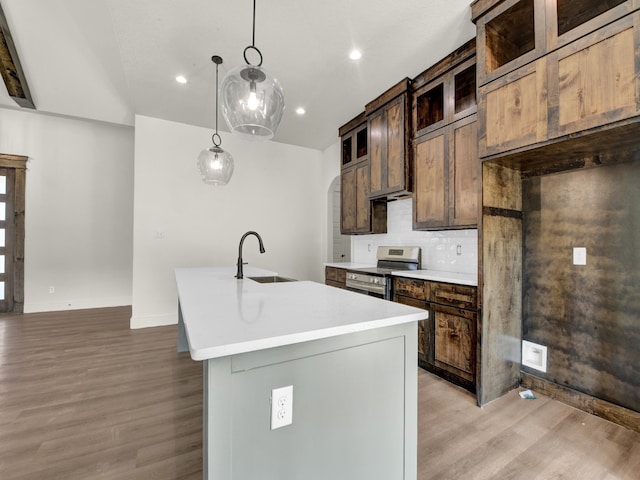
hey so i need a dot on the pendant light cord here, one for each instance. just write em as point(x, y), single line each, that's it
point(216, 99)
point(215, 138)
point(253, 39)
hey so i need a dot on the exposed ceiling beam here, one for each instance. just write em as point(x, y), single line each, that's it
point(10, 67)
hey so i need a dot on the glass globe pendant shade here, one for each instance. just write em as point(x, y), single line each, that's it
point(216, 166)
point(252, 102)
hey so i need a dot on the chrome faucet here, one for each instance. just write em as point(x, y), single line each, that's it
point(239, 274)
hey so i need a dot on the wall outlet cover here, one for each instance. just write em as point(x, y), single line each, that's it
point(534, 356)
point(281, 407)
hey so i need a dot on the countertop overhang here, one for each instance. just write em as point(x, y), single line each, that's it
point(225, 316)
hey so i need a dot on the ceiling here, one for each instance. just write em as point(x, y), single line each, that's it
point(110, 60)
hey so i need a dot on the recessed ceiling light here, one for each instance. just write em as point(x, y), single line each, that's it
point(355, 55)
point(300, 111)
point(181, 79)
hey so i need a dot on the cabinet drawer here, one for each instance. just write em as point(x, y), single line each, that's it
point(336, 274)
point(461, 296)
point(411, 287)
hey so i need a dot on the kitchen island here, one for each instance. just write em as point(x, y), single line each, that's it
point(351, 360)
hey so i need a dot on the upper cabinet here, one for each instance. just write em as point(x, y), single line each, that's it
point(552, 70)
point(445, 92)
point(389, 128)
point(355, 144)
point(358, 214)
point(446, 175)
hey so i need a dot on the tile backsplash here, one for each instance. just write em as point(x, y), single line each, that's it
point(448, 251)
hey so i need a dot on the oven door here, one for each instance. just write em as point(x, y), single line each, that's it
point(362, 284)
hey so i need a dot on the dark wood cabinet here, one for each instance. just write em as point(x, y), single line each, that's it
point(389, 129)
point(354, 141)
point(336, 277)
point(455, 342)
point(446, 92)
point(447, 177)
point(358, 214)
point(553, 71)
point(431, 180)
point(446, 174)
point(447, 341)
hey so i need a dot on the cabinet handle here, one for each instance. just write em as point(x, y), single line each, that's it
point(454, 296)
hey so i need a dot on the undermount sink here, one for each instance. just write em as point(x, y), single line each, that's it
point(271, 279)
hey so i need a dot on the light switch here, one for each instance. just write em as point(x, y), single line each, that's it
point(579, 256)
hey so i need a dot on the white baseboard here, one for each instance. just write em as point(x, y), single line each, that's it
point(38, 307)
point(146, 321)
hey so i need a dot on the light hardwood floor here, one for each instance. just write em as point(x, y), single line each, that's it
point(84, 397)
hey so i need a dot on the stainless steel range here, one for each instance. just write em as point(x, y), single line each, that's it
point(377, 281)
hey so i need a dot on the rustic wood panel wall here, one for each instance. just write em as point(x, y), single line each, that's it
point(587, 316)
point(501, 325)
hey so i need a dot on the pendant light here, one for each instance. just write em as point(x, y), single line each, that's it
point(216, 165)
point(252, 100)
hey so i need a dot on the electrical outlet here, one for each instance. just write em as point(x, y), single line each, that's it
point(52, 289)
point(281, 407)
point(579, 256)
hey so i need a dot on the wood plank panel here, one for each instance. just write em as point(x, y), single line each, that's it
point(501, 187)
point(501, 325)
point(587, 315)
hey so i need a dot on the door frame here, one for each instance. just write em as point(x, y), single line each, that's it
point(14, 285)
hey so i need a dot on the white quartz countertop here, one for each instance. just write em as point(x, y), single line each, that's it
point(433, 275)
point(348, 265)
point(224, 316)
point(440, 276)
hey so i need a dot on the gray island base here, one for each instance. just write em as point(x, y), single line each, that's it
point(351, 360)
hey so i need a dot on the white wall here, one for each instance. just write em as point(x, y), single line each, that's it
point(78, 219)
point(331, 163)
point(277, 190)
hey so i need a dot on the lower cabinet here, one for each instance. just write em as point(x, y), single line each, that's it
point(336, 277)
point(447, 341)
